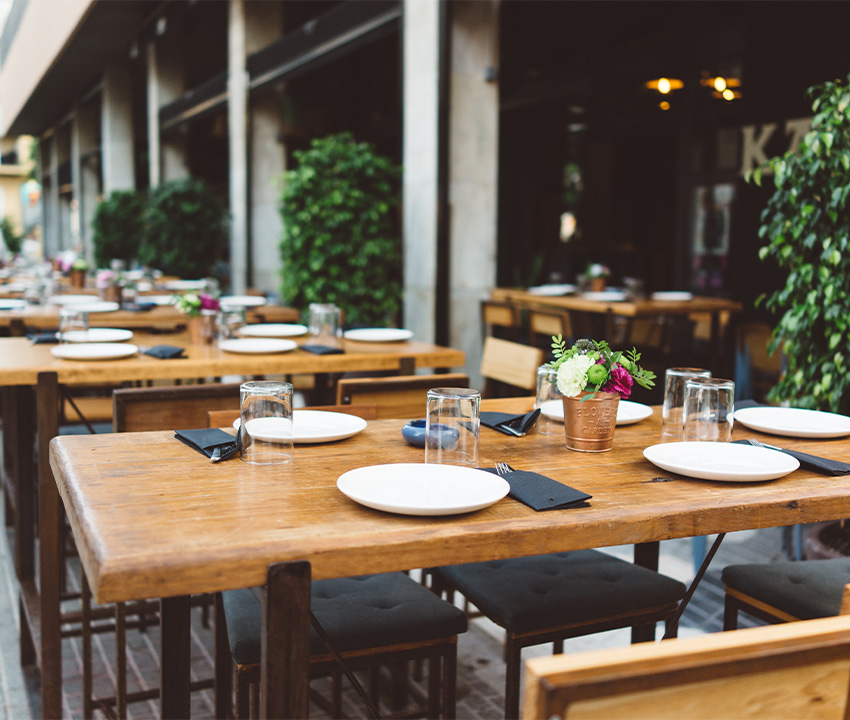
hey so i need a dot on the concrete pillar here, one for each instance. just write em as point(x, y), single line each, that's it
point(116, 128)
point(237, 124)
point(166, 82)
point(76, 236)
point(88, 189)
point(420, 158)
point(49, 163)
point(473, 171)
point(154, 150)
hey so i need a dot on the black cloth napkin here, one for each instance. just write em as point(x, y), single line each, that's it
point(165, 352)
point(206, 440)
point(812, 462)
point(542, 493)
point(521, 423)
point(45, 338)
point(138, 306)
point(322, 350)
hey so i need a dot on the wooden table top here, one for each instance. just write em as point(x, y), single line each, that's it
point(153, 518)
point(629, 308)
point(21, 361)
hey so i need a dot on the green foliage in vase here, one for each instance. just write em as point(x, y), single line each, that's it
point(118, 227)
point(341, 242)
point(187, 230)
point(10, 237)
point(806, 225)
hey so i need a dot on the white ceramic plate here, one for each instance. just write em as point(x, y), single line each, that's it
point(378, 334)
point(184, 284)
point(423, 488)
point(12, 304)
point(318, 426)
point(794, 422)
point(99, 335)
point(273, 330)
point(628, 412)
point(257, 346)
point(728, 462)
point(552, 290)
point(606, 296)
point(672, 296)
point(72, 299)
point(242, 301)
point(156, 299)
point(95, 307)
point(94, 351)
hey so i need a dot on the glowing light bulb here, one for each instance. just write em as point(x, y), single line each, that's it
point(728, 94)
point(663, 86)
point(719, 84)
point(664, 105)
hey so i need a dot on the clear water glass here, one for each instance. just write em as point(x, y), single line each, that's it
point(72, 321)
point(452, 426)
point(672, 421)
point(708, 410)
point(266, 426)
point(548, 395)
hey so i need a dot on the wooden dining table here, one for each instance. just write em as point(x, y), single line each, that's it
point(153, 518)
point(32, 382)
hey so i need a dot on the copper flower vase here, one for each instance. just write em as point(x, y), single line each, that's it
point(589, 425)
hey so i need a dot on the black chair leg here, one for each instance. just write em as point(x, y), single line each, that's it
point(730, 613)
point(513, 663)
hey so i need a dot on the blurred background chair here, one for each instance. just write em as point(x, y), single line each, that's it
point(758, 371)
point(395, 396)
point(500, 319)
point(509, 368)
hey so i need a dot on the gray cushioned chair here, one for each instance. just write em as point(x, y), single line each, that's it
point(548, 598)
point(371, 620)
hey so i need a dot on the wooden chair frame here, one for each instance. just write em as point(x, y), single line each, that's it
point(511, 364)
point(396, 396)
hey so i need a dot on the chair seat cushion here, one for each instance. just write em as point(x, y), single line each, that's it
point(357, 613)
point(531, 594)
point(807, 589)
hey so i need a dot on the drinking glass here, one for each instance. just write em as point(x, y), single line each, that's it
point(708, 409)
point(230, 321)
point(547, 392)
point(325, 323)
point(452, 426)
point(674, 399)
point(72, 320)
point(266, 422)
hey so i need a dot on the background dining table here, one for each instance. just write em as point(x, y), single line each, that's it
point(153, 518)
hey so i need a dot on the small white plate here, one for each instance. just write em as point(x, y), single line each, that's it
point(156, 299)
point(95, 307)
point(318, 426)
point(99, 335)
point(94, 351)
point(378, 334)
point(605, 296)
point(728, 462)
point(12, 304)
point(794, 422)
point(272, 330)
point(184, 284)
point(423, 488)
point(257, 346)
point(242, 301)
point(552, 290)
point(72, 299)
point(628, 412)
point(672, 296)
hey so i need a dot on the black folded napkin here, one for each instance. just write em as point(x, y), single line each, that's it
point(812, 462)
point(165, 352)
point(45, 338)
point(138, 306)
point(505, 422)
point(207, 440)
point(322, 350)
point(542, 493)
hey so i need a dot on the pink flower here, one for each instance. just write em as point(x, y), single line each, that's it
point(208, 302)
point(619, 381)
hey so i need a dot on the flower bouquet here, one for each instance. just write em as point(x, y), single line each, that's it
point(596, 275)
point(592, 379)
point(200, 310)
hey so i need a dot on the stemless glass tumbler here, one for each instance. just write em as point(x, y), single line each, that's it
point(547, 392)
point(708, 409)
point(266, 422)
point(674, 399)
point(452, 426)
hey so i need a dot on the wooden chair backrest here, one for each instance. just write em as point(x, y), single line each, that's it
point(549, 323)
point(497, 314)
point(510, 363)
point(797, 669)
point(225, 418)
point(176, 407)
point(397, 396)
point(753, 338)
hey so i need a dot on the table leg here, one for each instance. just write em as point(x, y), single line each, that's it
point(285, 672)
point(646, 555)
point(175, 657)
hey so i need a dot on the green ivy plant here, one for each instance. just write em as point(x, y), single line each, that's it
point(341, 242)
point(807, 228)
point(10, 237)
point(187, 231)
point(118, 227)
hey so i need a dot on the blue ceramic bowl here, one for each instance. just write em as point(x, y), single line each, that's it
point(414, 433)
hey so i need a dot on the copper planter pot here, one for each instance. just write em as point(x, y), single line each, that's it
point(589, 425)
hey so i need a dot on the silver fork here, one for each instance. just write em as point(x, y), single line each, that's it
point(503, 468)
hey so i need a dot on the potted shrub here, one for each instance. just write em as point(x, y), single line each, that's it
point(341, 241)
point(807, 228)
point(9, 236)
point(118, 227)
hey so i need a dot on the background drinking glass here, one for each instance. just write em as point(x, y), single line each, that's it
point(230, 321)
point(547, 392)
point(674, 399)
point(708, 410)
point(266, 422)
point(325, 323)
point(452, 426)
point(71, 320)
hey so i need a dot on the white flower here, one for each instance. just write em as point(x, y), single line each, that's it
point(572, 375)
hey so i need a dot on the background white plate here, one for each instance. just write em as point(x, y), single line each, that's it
point(606, 296)
point(628, 412)
point(72, 299)
point(423, 488)
point(95, 307)
point(99, 335)
point(318, 426)
point(728, 462)
point(184, 284)
point(242, 300)
point(794, 422)
point(552, 290)
point(12, 304)
point(378, 334)
point(272, 330)
point(257, 346)
point(672, 296)
point(156, 299)
point(94, 351)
